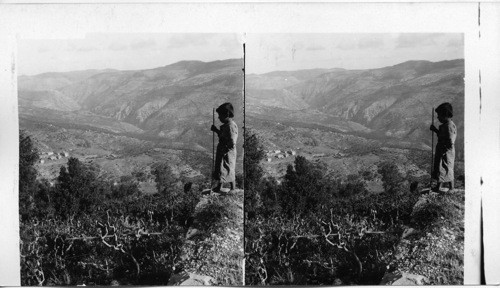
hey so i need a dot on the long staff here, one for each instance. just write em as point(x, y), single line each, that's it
point(213, 149)
point(432, 147)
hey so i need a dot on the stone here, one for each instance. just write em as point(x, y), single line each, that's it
point(408, 232)
point(189, 279)
point(192, 232)
point(397, 278)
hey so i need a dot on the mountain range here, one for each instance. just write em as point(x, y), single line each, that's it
point(392, 102)
point(173, 103)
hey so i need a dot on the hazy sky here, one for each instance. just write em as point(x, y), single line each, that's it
point(270, 52)
point(265, 52)
point(124, 51)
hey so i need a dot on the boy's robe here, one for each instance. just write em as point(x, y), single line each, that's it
point(225, 158)
point(444, 158)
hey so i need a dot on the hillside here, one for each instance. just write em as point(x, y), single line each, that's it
point(137, 116)
point(393, 101)
point(353, 119)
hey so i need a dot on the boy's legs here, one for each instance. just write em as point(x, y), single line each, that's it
point(217, 186)
point(438, 187)
point(452, 186)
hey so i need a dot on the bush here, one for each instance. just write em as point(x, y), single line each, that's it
point(328, 249)
point(144, 237)
point(78, 191)
point(28, 156)
point(164, 177)
point(391, 177)
point(254, 153)
point(304, 188)
point(318, 229)
point(430, 209)
point(96, 250)
point(87, 230)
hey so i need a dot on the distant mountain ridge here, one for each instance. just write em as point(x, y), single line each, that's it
point(394, 101)
point(173, 101)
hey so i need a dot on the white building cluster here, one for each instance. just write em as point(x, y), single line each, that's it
point(52, 156)
point(278, 154)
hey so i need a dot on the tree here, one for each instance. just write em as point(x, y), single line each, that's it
point(164, 178)
point(254, 154)
point(392, 179)
point(28, 156)
point(126, 187)
point(305, 187)
point(78, 190)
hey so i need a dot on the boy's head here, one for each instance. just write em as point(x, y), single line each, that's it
point(444, 111)
point(225, 111)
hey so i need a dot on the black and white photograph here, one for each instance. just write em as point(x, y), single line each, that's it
point(355, 148)
point(229, 143)
point(129, 160)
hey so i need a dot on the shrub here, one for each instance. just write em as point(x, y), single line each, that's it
point(78, 190)
point(430, 209)
point(315, 229)
point(392, 179)
point(164, 177)
point(28, 156)
point(254, 153)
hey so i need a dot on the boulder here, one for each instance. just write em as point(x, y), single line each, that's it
point(408, 232)
point(189, 279)
point(192, 232)
point(397, 278)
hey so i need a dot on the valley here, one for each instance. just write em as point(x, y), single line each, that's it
point(126, 122)
point(350, 120)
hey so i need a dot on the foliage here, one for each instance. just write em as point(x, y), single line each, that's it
point(254, 154)
point(78, 191)
point(164, 177)
point(431, 208)
point(391, 176)
point(28, 156)
point(127, 186)
point(97, 249)
point(132, 240)
point(86, 229)
point(240, 179)
point(334, 249)
point(319, 229)
point(303, 188)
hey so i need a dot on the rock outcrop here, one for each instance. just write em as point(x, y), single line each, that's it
point(431, 252)
point(190, 279)
point(213, 251)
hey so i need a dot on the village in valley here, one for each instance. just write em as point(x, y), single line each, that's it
point(278, 154)
point(52, 156)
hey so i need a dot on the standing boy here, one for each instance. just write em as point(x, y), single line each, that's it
point(225, 157)
point(444, 159)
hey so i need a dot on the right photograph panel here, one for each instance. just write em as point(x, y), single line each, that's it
point(354, 159)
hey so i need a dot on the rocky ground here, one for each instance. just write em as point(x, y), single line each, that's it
point(431, 253)
point(213, 252)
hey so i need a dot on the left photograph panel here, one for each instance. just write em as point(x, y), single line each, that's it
point(131, 160)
